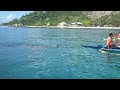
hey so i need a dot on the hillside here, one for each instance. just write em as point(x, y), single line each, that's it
point(97, 14)
point(53, 18)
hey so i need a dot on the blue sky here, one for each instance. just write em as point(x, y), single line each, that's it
point(6, 16)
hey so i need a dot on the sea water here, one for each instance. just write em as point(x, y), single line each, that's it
point(53, 53)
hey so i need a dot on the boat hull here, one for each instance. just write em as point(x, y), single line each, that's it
point(93, 47)
point(104, 50)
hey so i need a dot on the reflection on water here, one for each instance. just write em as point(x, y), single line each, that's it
point(108, 58)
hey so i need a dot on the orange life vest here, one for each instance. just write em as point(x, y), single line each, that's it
point(109, 41)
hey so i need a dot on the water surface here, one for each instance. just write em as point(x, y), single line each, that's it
point(32, 53)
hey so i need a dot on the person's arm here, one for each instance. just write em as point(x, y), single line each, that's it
point(108, 43)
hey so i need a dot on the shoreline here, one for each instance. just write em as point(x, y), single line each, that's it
point(65, 27)
point(71, 27)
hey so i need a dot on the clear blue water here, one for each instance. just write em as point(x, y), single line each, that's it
point(32, 53)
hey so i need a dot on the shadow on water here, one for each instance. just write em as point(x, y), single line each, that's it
point(4, 45)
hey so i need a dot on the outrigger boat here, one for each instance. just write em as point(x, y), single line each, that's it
point(104, 50)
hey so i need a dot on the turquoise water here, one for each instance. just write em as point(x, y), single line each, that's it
point(32, 53)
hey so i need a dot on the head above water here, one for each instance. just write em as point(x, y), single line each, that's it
point(110, 34)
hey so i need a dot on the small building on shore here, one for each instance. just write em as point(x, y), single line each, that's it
point(17, 25)
point(76, 24)
point(62, 24)
point(106, 25)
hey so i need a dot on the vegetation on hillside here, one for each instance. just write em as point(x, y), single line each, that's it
point(110, 20)
point(53, 18)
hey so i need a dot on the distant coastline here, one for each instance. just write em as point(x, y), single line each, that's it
point(66, 27)
point(71, 27)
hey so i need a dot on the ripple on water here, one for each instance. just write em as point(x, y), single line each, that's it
point(33, 53)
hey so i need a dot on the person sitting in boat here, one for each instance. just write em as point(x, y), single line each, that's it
point(118, 39)
point(119, 35)
point(109, 42)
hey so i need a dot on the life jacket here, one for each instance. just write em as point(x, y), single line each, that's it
point(109, 41)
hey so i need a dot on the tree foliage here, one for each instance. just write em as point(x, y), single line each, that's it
point(47, 18)
point(50, 18)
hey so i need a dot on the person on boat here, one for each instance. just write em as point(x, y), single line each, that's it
point(118, 35)
point(118, 39)
point(109, 42)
